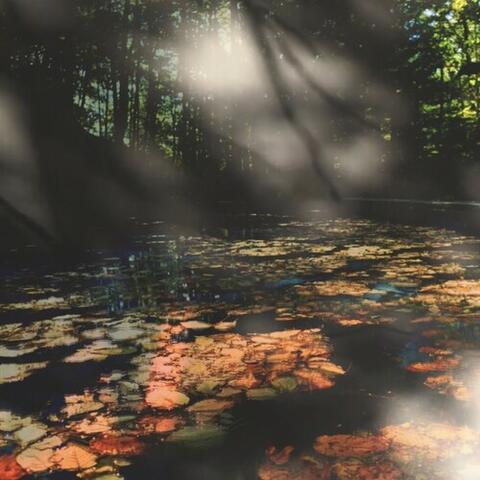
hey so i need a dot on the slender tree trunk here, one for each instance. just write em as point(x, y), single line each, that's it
point(121, 113)
point(184, 145)
point(136, 107)
point(150, 123)
point(99, 112)
point(85, 83)
point(235, 160)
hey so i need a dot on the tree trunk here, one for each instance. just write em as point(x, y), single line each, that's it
point(121, 113)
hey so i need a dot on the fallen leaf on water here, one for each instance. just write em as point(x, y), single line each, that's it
point(261, 393)
point(241, 362)
point(9, 352)
point(424, 319)
point(10, 422)
point(447, 385)
point(284, 334)
point(38, 457)
point(79, 404)
point(159, 425)
point(283, 357)
point(279, 457)
point(333, 288)
point(207, 387)
point(246, 382)
point(196, 325)
point(30, 433)
point(125, 332)
point(456, 288)
point(225, 326)
point(96, 351)
point(451, 293)
point(228, 392)
point(13, 372)
point(186, 313)
point(74, 457)
point(211, 405)
point(40, 304)
point(435, 366)
point(313, 380)
point(350, 445)
point(96, 424)
point(435, 351)
point(10, 468)
point(202, 435)
point(351, 322)
point(352, 469)
point(331, 368)
point(166, 399)
point(261, 248)
point(365, 252)
point(285, 384)
point(116, 445)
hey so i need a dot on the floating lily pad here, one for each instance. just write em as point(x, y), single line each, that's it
point(10, 352)
point(15, 372)
point(261, 393)
point(196, 325)
point(202, 435)
point(285, 384)
point(30, 433)
point(166, 399)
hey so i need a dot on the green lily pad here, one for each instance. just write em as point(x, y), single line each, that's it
point(285, 384)
point(198, 436)
point(208, 387)
point(261, 393)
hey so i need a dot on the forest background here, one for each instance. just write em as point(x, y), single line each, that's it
point(111, 107)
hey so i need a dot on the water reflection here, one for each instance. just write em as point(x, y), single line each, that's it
point(176, 342)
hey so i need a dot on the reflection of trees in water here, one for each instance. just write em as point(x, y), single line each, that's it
point(146, 278)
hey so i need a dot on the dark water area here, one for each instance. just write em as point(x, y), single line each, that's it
point(261, 346)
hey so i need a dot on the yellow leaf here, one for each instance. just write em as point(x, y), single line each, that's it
point(459, 5)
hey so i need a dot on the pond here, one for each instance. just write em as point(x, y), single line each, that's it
point(280, 349)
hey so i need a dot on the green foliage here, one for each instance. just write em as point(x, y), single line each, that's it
point(124, 68)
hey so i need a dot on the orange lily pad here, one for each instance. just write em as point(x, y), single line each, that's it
point(435, 366)
point(165, 398)
point(74, 457)
point(10, 469)
point(350, 445)
point(116, 445)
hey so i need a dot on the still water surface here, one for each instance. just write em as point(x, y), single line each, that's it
point(282, 349)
